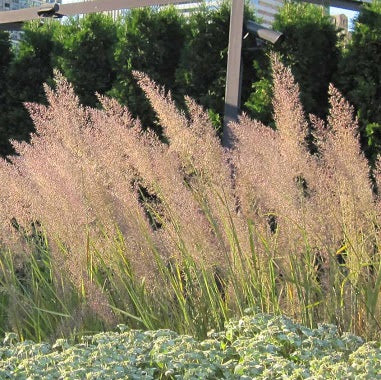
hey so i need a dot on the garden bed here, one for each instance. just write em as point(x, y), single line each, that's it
point(256, 346)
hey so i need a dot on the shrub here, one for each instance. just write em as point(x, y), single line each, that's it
point(150, 40)
point(30, 66)
point(111, 224)
point(6, 56)
point(85, 49)
point(360, 73)
point(311, 50)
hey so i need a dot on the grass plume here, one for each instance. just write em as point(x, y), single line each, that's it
point(104, 223)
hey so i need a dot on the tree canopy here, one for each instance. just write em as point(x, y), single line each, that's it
point(5, 59)
point(149, 40)
point(86, 54)
point(311, 50)
point(188, 56)
point(360, 75)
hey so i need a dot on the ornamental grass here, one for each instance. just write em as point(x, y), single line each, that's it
point(103, 222)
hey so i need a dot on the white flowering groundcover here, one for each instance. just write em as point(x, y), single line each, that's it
point(257, 346)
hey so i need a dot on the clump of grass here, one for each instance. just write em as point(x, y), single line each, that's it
point(105, 223)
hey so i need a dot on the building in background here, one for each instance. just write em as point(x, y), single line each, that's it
point(266, 10)
point(188, 6)
point(114, 14)
point(13, 5)
point(341, 22)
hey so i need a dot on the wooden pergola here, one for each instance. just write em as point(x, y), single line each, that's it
point(13, 20)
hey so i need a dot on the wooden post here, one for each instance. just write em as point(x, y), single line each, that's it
point(233, 72)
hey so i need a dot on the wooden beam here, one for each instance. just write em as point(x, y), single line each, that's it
point(351, 5)
point(72, 9)
point(233, 72)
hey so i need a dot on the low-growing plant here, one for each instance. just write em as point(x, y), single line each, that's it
point(257, 346)
point(180, 232)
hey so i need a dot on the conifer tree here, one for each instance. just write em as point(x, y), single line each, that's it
point(29, 69)
point(5, 58)
point(360, 76)
point(310, 49)
point(86, 55)
point(149, 40)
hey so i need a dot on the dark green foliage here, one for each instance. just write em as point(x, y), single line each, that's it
point(188, 56)
point(310, 49)
point(259, 103)
point(202, 70)
point(32, 65)
point(5, 58)
point(360, 76)
point(30, 68)
point(149, 40)
point(86, 55)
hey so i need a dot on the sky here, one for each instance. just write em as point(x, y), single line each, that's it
point(350, 14)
